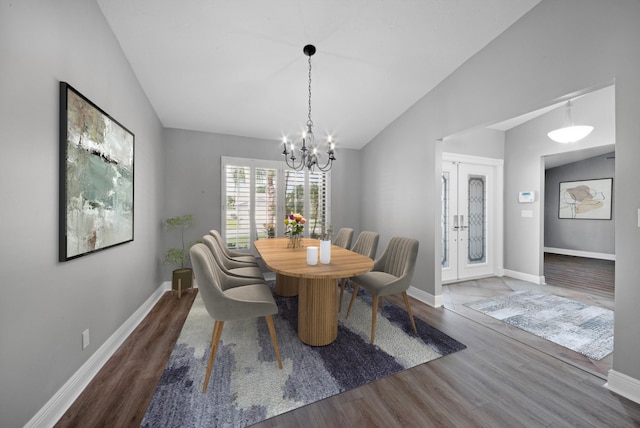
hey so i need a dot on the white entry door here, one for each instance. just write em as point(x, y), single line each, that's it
point(468, 220)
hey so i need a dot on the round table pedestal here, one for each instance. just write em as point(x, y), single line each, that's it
point(317, 311)
point(286, 286)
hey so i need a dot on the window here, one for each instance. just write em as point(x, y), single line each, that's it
point(258, 194)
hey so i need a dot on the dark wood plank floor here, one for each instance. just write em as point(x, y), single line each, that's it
point(119, 394)
point(589, 275)
point(496, 382)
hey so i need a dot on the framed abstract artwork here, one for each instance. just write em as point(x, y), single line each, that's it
point(586, 199)
point(96, 178)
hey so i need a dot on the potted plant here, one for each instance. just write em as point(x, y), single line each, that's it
point(182, 277)
point(270, 229)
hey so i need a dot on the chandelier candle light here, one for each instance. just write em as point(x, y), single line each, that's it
point(309, 155)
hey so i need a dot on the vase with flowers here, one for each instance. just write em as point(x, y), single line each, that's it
point(294, 226)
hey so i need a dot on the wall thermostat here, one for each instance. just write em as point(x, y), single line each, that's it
point(526, 197)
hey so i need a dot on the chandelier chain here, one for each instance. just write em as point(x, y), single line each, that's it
point(309, 121)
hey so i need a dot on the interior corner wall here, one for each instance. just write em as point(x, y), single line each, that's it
point(193, 176)
point(46, 305)
point(591, 236)
point(557, 48)
point(525, 147)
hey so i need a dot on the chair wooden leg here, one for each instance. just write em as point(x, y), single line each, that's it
point(179, 288)
point(406, 302)
point(344, 281)
point(274, 340)
point(215, 340)
point(382, 303)
point(373, 317)
point(353, 297)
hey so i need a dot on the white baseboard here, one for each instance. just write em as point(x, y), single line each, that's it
point(424, 297)
point(624, 385)
point(577, 253)
point(524, 276)
point(55, 408)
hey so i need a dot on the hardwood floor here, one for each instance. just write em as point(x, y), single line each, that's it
point(587, 275)
point(119, 394)
point(497, 381)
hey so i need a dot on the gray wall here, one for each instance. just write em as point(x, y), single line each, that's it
point(595, 236)
point(45, 305)
point(483, 142)
point(558, 48)
point(193, 171)
point(526, 146)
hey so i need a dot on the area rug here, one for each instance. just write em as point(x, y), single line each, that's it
point(580, 327)
point(246, 385)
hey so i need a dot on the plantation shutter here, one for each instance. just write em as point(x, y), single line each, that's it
point(317, 216)
point(265, 197)
point(294, 192)
point(258, 194)
point(238, 207)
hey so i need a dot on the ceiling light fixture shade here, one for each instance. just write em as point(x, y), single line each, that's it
point(570, 133)
point(308, 151)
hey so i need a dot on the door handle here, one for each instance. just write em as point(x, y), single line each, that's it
point(462, 226)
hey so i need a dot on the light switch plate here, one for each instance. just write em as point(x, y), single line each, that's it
point(85, 339)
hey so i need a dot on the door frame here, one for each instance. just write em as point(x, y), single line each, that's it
point(498, 205)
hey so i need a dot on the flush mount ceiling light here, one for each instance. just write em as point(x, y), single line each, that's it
point(308, 151)
point(570, 133)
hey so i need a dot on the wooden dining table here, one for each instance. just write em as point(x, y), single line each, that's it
point(315, 285)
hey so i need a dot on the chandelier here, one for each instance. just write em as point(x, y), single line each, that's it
point(570, 133)
point(309, 156)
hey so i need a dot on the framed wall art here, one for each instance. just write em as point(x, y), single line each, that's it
point(586, 199)
point(96, 178)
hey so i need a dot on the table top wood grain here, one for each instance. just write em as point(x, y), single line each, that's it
point(293, 262)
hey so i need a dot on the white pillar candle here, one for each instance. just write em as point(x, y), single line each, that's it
point(312, 255)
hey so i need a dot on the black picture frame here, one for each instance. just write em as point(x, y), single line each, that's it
point(96, 178)
point(586, 199)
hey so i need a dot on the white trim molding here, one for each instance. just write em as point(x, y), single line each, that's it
point(55, 408)
point(623, 385)
point(424, 297)
point(578, 253)
point(525, 276)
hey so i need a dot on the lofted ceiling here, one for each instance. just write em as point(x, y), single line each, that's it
point(237, 66)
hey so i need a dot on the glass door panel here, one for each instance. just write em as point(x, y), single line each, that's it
point(466, 221)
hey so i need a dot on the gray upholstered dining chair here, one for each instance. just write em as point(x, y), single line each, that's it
point(230, 304)
point(231, 267)
point(391, 274)
point(230, 254)
point(367, 245)
point(343, 237)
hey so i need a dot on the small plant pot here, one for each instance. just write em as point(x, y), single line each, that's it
point(181, 280)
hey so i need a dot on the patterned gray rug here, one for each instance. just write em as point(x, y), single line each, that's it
point(582, 328)
point(246, 385)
